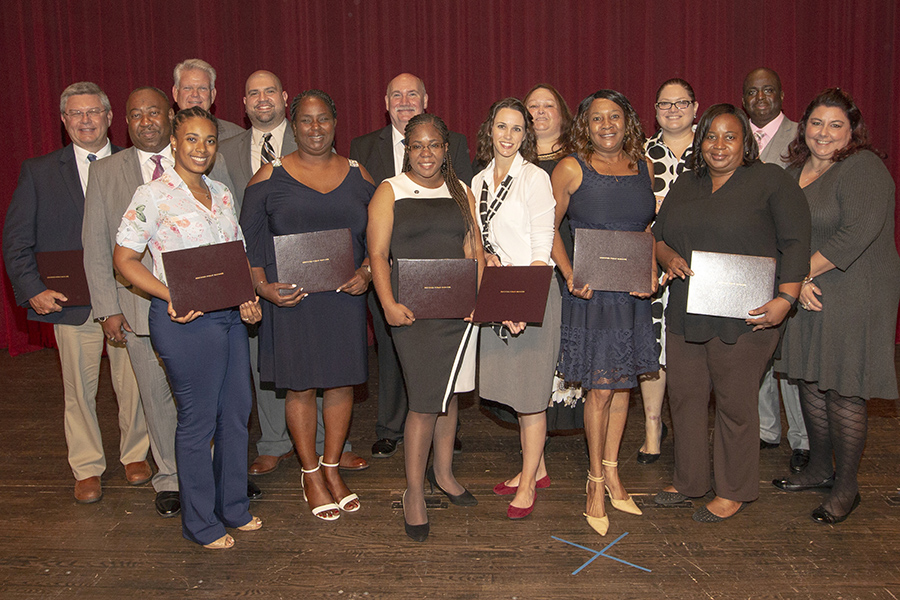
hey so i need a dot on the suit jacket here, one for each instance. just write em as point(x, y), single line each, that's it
point(778, 145)
point(228, 130)
point(374, 151)
point(236, 151)
point(111, 186)
point(45, 215)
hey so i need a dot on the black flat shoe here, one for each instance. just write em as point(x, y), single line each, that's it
point(168, 504)
point(464, 499)
point(253, 491)
point(820, 515)
point(784, 484)
point(799, 460)
point(704, 515)
point(384, 448)
point(646, 458)
point(764, 445)
point(665, 498)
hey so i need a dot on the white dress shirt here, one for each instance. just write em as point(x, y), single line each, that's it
point(81, 160)
point(256, 143)
point(148, 166)
point(522, 230)
point(397, 144)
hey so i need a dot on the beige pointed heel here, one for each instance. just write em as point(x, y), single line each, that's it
point(598, 524)
point(627, 505)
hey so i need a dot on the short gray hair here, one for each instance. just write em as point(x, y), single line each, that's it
point(195, 63)
point(83, 88)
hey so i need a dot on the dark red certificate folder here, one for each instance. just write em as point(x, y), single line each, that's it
point(729, 285)
point(318, 261)
point(613, 261)
point(63, 271)
point(208, 278)
point(437, 288)
point(517, 294)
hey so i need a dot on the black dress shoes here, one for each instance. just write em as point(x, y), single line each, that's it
point(457, 446)
point(253, 491)
point(384, 448)
point(820, 515)
point(645, 458)
point(799, 460)
point(784, 484)
point(168, 504)
point(764, 445)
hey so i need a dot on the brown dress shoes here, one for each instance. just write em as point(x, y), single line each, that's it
point(88, 490)
point(138, 473)
point(266, 464)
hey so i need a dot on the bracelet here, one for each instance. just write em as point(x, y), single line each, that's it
point(807, 279)
point(785, 296)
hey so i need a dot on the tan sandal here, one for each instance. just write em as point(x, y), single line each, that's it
point(254, 524)
point(223, 543)
point(627, 505)
point(598, 524)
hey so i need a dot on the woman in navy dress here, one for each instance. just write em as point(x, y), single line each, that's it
point(607, 338)
point(310, 341)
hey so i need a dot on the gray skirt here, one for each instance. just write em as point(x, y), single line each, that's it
point(520, 373)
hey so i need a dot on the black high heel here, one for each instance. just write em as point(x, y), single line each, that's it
point(646, 458)
point(464, 499)
point(417, 533)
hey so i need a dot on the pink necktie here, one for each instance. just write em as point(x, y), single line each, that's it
point(158, 170)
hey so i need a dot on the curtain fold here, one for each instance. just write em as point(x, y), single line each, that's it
point(469, 53)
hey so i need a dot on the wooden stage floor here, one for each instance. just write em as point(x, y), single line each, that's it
point(52, 547)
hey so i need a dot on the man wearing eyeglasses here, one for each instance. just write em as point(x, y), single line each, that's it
point(45, 215)
point(762, 99)
point(381, 153)
point(195, 85)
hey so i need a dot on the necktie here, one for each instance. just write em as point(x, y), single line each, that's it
point(267, 154)
point(158, 170)
point(92, 157)
point(760, 136)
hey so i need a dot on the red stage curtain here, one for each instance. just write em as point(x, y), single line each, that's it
point(469, 54)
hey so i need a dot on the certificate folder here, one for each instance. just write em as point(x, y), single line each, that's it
point(613, 261)
point(729, 285)
point(63, 271)
point(437, 288)
point(318, 261)
point(208, 278)
point(517, 294)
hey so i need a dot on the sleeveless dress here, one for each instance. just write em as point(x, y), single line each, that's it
point(607, 341)
point(321, 342)
point(437, 356)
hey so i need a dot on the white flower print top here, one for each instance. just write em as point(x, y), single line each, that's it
point(164, 215)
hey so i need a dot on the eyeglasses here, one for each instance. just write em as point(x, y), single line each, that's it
point(433, 146)
point(682, 104)
point(92, 113)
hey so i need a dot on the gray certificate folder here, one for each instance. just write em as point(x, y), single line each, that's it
point(729, 285)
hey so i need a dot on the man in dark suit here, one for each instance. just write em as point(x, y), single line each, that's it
point(195, 85)
point(122, 309)
point(381, 153)
point(270, 136)
point(762, 99)
point(45, 214)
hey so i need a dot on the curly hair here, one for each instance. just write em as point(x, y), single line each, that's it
point(528, 149)
point(312, 94)
point(457, 190)
point(564, 113)
point(189, 113)
point(750, 149)
point(580, 136)
point(798, 151)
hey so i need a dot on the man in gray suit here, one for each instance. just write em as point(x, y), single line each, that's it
point(381, 153)
point(195, 85)
point(45, 214)
point(762, 99)
point(121, 308)
point(270, 136)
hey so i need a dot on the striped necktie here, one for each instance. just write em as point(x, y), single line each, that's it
point(267, 154)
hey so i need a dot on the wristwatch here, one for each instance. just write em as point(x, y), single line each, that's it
point(102, 319)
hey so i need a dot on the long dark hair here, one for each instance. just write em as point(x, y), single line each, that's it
point(528, 149)
point(580, 137)
point(798, 151)
point(566, 127)
point(750, 149)
point(457, 191)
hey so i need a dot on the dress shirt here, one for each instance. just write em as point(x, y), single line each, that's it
point(256, 142)
point(164, 215)
point(397, 144)
point(521, 231)
point(81, 159)
point(148, 166)
point(765, 134)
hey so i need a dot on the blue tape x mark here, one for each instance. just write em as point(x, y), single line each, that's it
point(600, 553)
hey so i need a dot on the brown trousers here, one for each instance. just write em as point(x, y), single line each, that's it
point(733, 372)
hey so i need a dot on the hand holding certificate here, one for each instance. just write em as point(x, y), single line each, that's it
point(63, 272)
point(729, 285)
point(517, 294)
point(319, 261)
point(613, 261)
point(208, 278)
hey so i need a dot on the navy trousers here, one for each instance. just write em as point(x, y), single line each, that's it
point(208, 364)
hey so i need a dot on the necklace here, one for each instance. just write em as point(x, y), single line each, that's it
point(609, 164)
point(816, 173)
